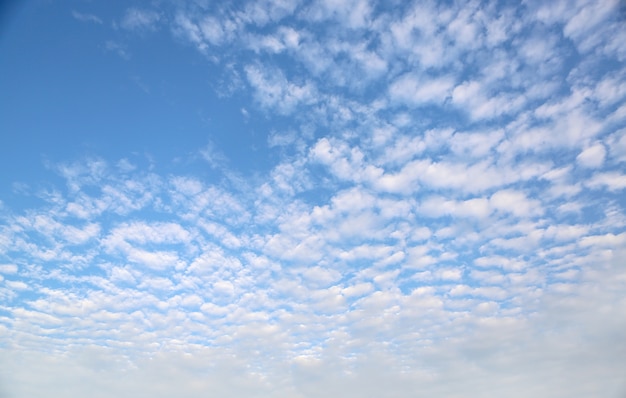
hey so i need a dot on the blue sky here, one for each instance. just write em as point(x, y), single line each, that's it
point(313, 198)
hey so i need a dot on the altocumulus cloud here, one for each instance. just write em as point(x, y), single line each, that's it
point(438, 210)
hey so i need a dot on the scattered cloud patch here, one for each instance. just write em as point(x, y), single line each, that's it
point(140, 20)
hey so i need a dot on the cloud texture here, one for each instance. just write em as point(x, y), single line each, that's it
point(442, 214)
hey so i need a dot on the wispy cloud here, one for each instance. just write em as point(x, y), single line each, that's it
point(83, 17)
point(118, 48)
point(140, 19)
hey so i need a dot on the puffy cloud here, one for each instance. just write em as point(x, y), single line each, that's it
point(8, 268)
point(516, 203)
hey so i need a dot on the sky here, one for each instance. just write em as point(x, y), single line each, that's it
point(285, 198)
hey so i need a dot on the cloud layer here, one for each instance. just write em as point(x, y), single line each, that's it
point(443, 214)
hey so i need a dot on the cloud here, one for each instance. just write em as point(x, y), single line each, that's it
point(118, 48)
point(263, 12)
point(353, 14)
point(592, 157)
point(273, 91)
point(516, 203)
point(473, 97)
point(190, 31)
point(617, 147)
point(440, 206)
point(8, 268)
point(326, 281)
point(140, 20)
point(409, 89)
point(86, 17)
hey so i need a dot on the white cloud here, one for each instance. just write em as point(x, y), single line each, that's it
point(588, 17)
point(607, 240)
point(85, 17)
point(501, 262)
point(610, 90)
point(475, 98)
point(266, 11)
point(417, 90)
point(465, 29)
point(475, 144)
point(212, 30)
point(142, 233)
point(440, 206)
point(273, 91)
point(118, 48)
point(345, 163)
point(224, 287)
point(321, 276)
point(617, 145)
point(360, 289)
point(154, 259)
point(352, 13)
point(122, 274)
point(16, 285)
point(156, 284)
point(190, 31)
point(494, 293)
point(467, 178)
point(451, 274)
point(592, 157)
point(613, 181)
point(516, 203)
point(566, 232)
point(140, 20)
point(8, 268)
